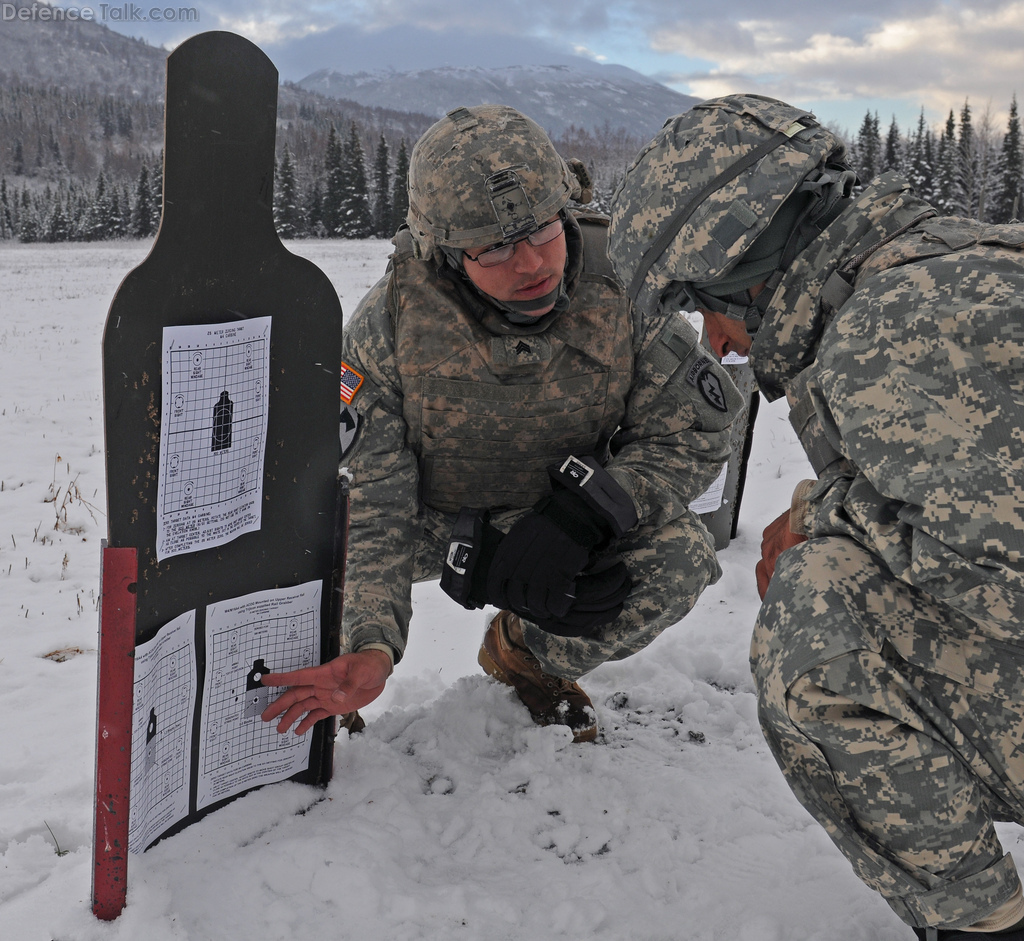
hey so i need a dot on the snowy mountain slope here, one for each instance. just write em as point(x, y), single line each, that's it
point(76, 53)
point(41, 50)
point(556, 96)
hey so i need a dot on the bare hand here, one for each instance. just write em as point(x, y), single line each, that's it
point(776, 539)
point(342, 685)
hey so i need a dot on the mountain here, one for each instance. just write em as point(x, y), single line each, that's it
point(44, 51)
point(558, 97)
point(81, 123)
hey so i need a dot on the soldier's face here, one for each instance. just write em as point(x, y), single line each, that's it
point(725, 334)
point(532, 272)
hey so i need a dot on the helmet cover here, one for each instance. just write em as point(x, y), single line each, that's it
point(484, 176)
point(698, 195)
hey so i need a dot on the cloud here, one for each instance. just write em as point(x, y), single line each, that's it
point(270, 30)
point(936, 58)
point(524, 18)
point(537, 18)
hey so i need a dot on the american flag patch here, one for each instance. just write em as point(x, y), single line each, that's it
point(350, 382)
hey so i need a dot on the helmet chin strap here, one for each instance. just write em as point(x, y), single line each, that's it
point(738, 306)
point(527, 307)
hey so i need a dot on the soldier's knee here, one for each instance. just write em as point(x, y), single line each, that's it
point(820, 605)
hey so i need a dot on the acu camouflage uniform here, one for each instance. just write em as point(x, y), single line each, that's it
point(889, 650)
point(459, 406)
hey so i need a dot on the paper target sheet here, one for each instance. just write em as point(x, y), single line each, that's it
point(265, 632)
point(711, 499)
point(163, 708)
point(197, 735)
point(213, 433)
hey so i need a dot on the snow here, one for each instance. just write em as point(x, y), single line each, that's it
point(452, 815)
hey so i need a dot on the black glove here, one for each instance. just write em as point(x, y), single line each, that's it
point(601, 592)
point(538, 569)
point(597, 495)
point(471, 548)
point(534, 568)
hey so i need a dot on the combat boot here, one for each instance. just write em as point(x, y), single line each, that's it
point(550, 699)
point(351, 721)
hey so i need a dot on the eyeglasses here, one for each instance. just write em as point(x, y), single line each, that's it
point(491, 257)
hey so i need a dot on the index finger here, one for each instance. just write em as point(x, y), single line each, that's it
point(307, 676)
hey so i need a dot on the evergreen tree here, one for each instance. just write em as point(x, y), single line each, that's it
point(869, 149)
point(58, 227)
point(382, 191)
point(78, 211)
point(919, 168)
point(142, 210)
point(967, 204)
point(125, 125)
point(55, 151)
point(106, 117)
point(335, 186)
point(931, 162)
point(948, 195)
point(1009, 203)
point(986, 158)
point(356, 216)
point(101, 221)
point(6, 218)
point(287, 211)
point(400, 188)
point(314, 211)
point(18, 167)
point(28, 219)
point(892, 157)
point(123, 227)
point(114, 217)
point(156, 194)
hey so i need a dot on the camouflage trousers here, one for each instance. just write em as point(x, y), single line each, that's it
point(898, 725)
point(670, 566)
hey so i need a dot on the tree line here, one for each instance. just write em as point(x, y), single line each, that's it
point(88, 167)
point(967, 168)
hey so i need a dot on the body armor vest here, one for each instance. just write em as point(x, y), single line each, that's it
point(487, 413)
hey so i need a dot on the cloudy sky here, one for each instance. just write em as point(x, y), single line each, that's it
point(840, 59)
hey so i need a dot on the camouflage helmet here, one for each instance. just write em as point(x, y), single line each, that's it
point(482, 176)
point(699, 194)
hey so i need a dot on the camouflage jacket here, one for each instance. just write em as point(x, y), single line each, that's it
point(456, 405)
point(898, 337)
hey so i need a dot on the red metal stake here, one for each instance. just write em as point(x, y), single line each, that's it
point(118, 575)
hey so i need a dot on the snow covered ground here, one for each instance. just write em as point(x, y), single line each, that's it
point(451, 816)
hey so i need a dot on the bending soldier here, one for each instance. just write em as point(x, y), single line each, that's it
point(888, 652)
point(519, 429)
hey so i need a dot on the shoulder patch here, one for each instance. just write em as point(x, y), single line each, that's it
point(348, 428)
point(708, 384)
point(350, 382)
